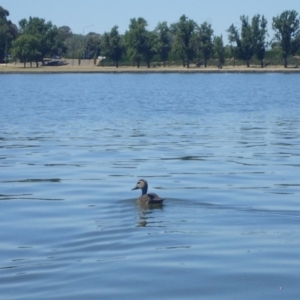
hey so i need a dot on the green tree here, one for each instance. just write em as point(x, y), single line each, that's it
point(259, 29)
point(8, 33)
point(139, 42)
point(163, 41)
point(50, 42)
point(245, 44)
point(205, 43)
point(219, 49)
point(287, 33)
point(112, 45)
point(184, 34)
point(25, 48)
point(92, 45)
point(150, 46)
point(235, 42)
point(64, 32)
point(74, 44)
point(135, 39)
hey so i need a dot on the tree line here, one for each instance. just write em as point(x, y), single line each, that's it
point(34, 40)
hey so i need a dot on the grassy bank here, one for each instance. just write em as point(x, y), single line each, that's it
point(87, 66)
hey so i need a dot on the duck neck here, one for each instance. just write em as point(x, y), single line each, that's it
point(144, 190)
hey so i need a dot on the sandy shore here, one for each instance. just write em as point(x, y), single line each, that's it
point(87, 66)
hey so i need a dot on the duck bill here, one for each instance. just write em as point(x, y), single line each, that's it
point(135, 188)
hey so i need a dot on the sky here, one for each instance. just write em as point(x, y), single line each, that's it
point(83, 16)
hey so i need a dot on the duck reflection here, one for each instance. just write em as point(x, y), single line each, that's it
point(147, 214)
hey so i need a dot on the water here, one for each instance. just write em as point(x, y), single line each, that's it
point(223, 149)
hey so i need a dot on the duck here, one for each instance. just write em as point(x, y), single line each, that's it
point(145, 198)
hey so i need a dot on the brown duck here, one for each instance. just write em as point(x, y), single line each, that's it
point(145, 198)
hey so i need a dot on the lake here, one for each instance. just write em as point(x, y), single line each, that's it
point(222, 149)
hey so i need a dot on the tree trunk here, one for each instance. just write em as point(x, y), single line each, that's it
point(285, 62)
point(24, 64)
point(117, 64)
point(138, 64)
point(262, 63)
point(205, 63)
point(248, 64)
point(188, 64)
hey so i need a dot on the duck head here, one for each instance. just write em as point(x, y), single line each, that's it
point(142, 185)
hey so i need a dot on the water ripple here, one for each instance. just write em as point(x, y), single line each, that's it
point(224, 155)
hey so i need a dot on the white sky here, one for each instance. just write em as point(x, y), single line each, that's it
point(103, 15)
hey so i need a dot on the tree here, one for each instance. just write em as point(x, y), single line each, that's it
point(25, 48)
point(8, 33)
point(49, 40)
point(163, 41)
point(139, 42)
point(245, 45)
point(287, 33)
point(259, 28)
point(92, 43)
point(252, 39)
point(149, 49)
point(74, 45)
point(135, 39)
point(64, 32)
point(184, 32)
point(205, 41)
point(219, 49)
point(112, 45)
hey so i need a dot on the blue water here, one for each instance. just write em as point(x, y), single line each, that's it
point(223, 149)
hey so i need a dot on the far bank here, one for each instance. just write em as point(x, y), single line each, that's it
point(87, 66)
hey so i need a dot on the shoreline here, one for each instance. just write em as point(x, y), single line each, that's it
point(88, 67)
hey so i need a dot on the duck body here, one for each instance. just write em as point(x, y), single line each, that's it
point(145, 198)
point(150, 198)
